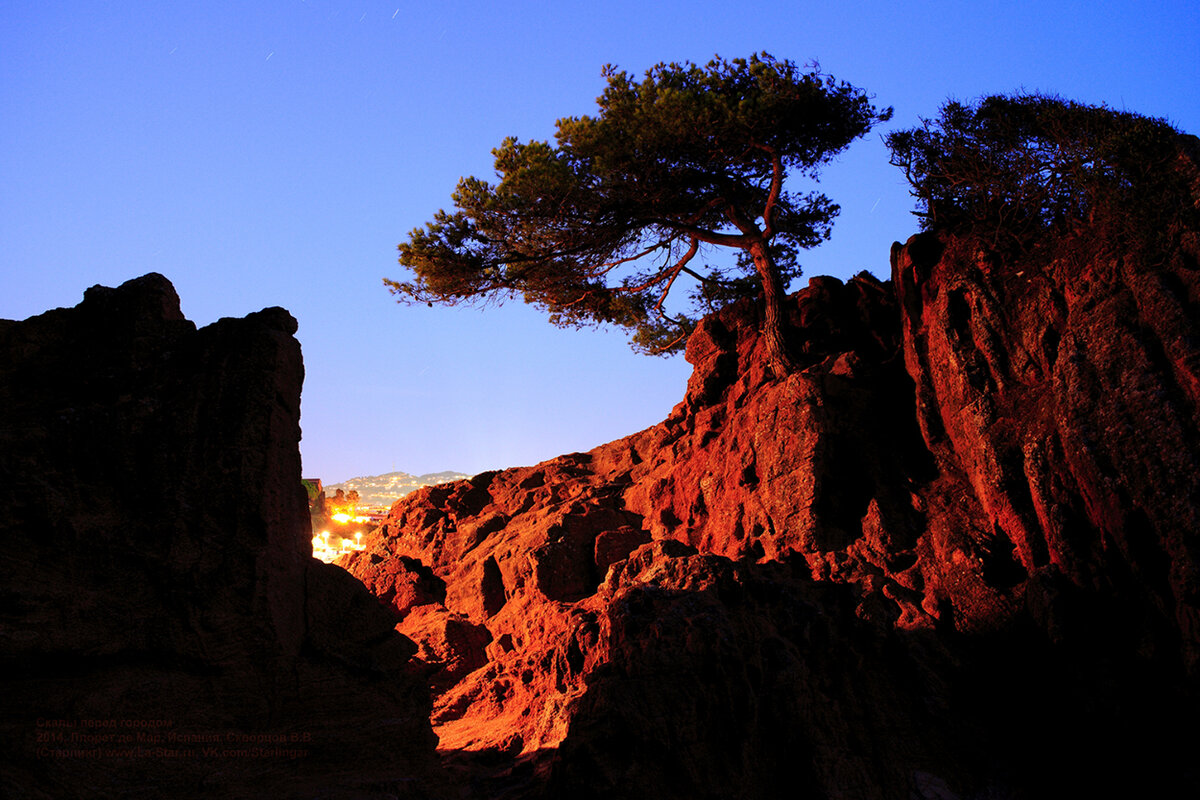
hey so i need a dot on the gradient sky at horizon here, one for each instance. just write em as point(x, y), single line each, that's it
point(274, 154)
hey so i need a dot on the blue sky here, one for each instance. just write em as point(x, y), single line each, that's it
point(274, 153)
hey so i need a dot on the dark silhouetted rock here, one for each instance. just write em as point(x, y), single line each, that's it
point(164, 630)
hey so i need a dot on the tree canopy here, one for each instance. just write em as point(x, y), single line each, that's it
point(1023, 172)
point(599, 226)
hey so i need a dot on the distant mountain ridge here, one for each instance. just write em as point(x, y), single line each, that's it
point(380, 491)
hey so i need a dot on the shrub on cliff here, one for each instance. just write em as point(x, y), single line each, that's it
point(599, 227)
point(1007, 170)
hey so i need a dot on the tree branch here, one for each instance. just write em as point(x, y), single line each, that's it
point(683, 335)
point(605, 268)
point(770, 206)
point(679, 266)
point(708, 237)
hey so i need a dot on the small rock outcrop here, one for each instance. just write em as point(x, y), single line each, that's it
point(953, 555)
point(164, 630)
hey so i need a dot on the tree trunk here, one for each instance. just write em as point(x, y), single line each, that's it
point(778, 356)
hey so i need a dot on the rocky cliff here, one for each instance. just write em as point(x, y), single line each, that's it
point(164, 630)
point(954, 555)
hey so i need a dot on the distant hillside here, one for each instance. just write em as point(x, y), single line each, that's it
point(380, 491)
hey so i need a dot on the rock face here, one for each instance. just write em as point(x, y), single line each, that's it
point(954, 555)
point(1065, 400)
point(164, 630)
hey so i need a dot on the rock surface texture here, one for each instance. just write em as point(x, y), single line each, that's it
point(955, 555)
point(164, 630)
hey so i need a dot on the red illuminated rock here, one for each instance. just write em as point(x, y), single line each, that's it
point(954, 554)
point(1063, 401)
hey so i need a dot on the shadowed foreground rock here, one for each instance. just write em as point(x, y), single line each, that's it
point(164, 631)
point(954, 555)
